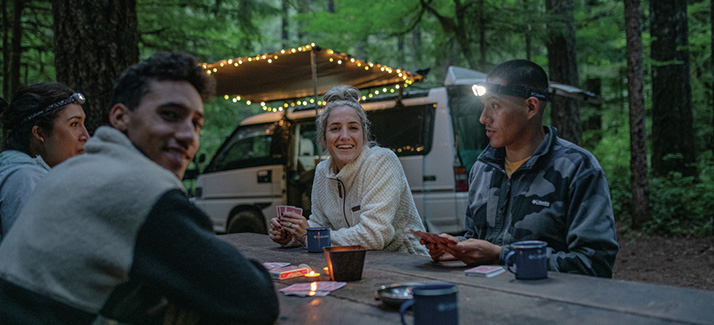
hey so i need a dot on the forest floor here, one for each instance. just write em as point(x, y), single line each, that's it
point(680, 262)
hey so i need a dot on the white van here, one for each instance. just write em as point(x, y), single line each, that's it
point(269, 159)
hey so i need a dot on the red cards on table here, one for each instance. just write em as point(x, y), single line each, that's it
point(321, 288)
point(486, 271)
point(274, 265)
point(431, 238)
point(288, 272)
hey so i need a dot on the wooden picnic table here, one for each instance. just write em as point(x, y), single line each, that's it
point(559, 299)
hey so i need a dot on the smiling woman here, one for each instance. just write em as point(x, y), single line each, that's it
point(361, 191)
point(42, 127)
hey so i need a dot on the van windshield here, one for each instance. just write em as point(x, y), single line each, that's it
point(469, 133)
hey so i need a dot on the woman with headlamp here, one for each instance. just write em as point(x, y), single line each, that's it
point(42, 127)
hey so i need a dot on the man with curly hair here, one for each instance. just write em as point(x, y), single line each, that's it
point(111, 237)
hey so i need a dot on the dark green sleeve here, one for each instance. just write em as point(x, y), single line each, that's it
point(178, 254)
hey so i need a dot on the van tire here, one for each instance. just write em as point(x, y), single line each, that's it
point(246, 221)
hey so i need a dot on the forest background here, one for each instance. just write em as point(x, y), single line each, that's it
point(652, 130)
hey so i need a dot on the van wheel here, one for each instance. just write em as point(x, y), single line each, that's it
point(246, 221)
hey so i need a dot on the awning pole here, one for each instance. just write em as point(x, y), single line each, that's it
point(313, 64)
point(314, 78)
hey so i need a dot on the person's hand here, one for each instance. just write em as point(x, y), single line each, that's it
point(294, 224)
point(277, 233)
point(437, 253)
point(474, 251)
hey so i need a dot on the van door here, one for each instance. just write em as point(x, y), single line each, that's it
point(246, 178)
point(406, 130)
point(303, 158)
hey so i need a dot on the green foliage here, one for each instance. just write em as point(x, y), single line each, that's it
point(211, 31)
point(682, 206)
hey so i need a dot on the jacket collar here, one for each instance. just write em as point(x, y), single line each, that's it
point(497, 156)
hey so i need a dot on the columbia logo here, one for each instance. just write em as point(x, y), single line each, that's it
point(541, 203)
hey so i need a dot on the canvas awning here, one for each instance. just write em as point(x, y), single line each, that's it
point(288, 74)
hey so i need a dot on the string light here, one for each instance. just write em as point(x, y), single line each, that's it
point(338, 58)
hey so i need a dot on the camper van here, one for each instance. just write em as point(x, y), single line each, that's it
point(269, 159)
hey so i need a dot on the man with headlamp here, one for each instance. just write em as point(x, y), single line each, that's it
point(529, 184)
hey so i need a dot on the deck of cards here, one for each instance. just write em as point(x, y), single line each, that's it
point(485, 271)
point(280, 209)
point(288, 272)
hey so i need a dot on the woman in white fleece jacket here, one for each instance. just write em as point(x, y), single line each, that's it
point(361, 191)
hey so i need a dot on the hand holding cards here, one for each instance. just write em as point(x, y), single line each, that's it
point(280, 209)
point(431, 238)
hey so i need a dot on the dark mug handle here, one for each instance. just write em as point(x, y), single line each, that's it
point(403, 309)
point(508, 260)
point(301, 245)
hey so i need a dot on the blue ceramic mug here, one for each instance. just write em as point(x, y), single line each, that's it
point(530, 259)
point(317, 238)
point(433, 304)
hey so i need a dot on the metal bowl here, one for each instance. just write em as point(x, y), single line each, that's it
point(394, 295)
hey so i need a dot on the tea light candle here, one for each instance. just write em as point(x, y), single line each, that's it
point(312, 274)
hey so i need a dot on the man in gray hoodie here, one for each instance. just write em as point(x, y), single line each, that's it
point(110, 236)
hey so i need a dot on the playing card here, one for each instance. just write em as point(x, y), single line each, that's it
point(326, 286)
point(293, 209)
point(280, 209)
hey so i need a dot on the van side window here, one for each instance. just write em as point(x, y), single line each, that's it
point(247, 147)
point(407, 130)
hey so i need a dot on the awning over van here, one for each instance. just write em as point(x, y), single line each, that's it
point(462, 76)
point(288, 74)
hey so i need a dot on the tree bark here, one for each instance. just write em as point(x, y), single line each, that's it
point(711, 21)
point(562, 65)
point(673, 146)
point(284, 36)
point(638, 134)
point(527, 31)
point(95, 40)
point(5, 52)
point(16, 51)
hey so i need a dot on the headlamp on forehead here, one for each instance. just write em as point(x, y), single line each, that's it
point(75, 98)
point(488, 88)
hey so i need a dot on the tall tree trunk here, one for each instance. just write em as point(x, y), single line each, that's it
point(638, 134)
point(562, 65)
point(16, 51)
point(416, 45)
point(672, 126)
point(593, 123)
point(711, 22)
point(5, 52)
point(284, 36)
point(95, 40)
point(527, 30)
point(482, 43)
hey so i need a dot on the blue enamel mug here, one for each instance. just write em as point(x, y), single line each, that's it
point(530, 259)
point(317, 238)
point(433, 304)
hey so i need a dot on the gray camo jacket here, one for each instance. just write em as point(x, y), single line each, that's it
point(560, 196)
